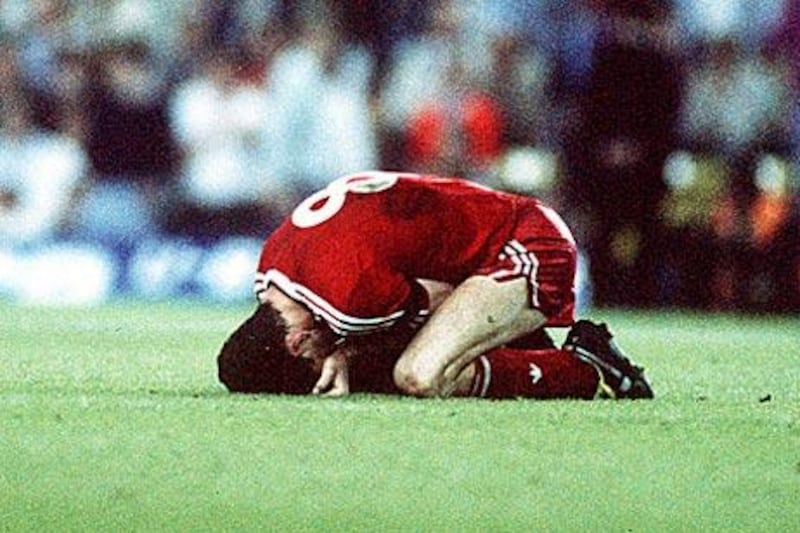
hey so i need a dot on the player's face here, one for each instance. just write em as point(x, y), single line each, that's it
point(309, 343)
point(304, 338)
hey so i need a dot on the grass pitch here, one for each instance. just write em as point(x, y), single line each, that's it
point(112, 419)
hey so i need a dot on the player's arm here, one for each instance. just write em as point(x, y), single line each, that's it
point(333, 379)
point(387, 346)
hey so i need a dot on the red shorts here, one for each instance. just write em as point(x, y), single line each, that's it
point(547, 260)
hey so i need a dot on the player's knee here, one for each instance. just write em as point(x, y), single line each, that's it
point(412, 381)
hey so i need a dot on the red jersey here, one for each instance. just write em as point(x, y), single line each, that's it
point(352, 252)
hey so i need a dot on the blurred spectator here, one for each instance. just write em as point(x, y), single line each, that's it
point(735, 102)
point(521, 80)
point(435, 108)
point(757, 257)
point(380, 25)
point(228, 183)
point(319, 89)
point(696, 187)
point(41, 172)
point(458, 133)
point(629, 111)
point(774, 221)
point(416, 72)
point(131, 153)
point(129, 137)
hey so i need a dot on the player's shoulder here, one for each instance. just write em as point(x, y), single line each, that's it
point(369, 181)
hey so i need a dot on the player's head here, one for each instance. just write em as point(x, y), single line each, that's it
point(255, 358)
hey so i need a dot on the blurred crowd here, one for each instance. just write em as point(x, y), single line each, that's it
point(147, 147)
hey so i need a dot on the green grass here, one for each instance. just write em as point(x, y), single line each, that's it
point(112, 419)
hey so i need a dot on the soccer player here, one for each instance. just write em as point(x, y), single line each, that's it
point(365, 261)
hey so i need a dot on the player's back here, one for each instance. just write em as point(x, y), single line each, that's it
point(422, 226)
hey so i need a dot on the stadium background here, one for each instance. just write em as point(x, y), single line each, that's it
point(146, 148)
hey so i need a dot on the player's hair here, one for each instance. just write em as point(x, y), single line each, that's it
point(255, 359)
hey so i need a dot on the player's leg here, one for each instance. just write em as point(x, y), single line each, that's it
point(479, 315)
point(548, 373)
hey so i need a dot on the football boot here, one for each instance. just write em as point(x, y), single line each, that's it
point(619, 378)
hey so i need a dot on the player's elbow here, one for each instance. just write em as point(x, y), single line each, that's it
point(415, 383)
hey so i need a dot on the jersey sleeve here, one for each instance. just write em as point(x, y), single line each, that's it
point(359, 305)
point(378, 301)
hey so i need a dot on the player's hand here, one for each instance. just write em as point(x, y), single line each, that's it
point(333, 380)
